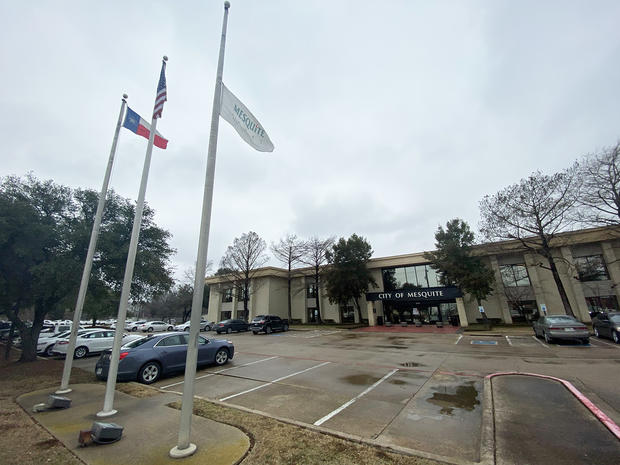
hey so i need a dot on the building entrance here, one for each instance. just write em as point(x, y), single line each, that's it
point(425, 313)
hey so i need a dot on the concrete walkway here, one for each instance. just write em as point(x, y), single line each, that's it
point(538, 421)
point(150, 429)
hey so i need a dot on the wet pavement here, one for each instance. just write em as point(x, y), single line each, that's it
point(538, 421)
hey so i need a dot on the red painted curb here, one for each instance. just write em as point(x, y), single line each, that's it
point(598, 413)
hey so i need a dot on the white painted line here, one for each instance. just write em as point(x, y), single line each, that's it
point(508, 339)
point(274, 381)
point(540, 342)
point(221, 371)
point(321, 334)
point(352, 401)
point(459, 339)
point(615, 346)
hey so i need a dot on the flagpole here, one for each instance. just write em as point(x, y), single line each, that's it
point(94, 235)
point(184, 448)
point(108, 403)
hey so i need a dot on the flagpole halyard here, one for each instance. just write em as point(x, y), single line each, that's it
point(184, 447)
point(94, 235)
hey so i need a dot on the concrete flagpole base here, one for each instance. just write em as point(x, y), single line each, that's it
point(177, 453)
point(104, 414)
point(63, 391)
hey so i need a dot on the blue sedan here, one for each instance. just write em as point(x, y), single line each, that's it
point(150, 357)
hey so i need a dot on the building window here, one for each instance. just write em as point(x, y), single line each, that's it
point(347, 315)
point(410, 277)
point(313, 315)
point(225, 315)
point(240, 294)
point(243, 314)
point(602, 303)
point(522, 310)
point(227, 295)
point(312, 291)
point(514, 275)
point(591, 268)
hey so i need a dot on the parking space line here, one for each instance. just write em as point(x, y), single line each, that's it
point(508, 340)
point(274, 381)
point(352, 401)
point(321, 334)
point(615, 346)
point(540, 342)
point(459, 339)
point(221, 371)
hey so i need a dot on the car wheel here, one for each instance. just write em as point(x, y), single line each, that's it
point(207, 328)
point(255, 333)
point(285, 328)
point(268, 329)
point(170, 328)
point(221, 357)
point(228, 330)
point(80, 352)
point(134, 329)
point(586, 340)
point(48, 351)
point(596, 333)
point(149, 373)
point(547, 338)
point(616, 337)
point(150, 330)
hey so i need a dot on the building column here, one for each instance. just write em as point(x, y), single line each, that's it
point(580, 300)
point(501, 295)
point(612, 266)
point(532, 270)
point(371, 315)
point(234, 303)
point(460, 306)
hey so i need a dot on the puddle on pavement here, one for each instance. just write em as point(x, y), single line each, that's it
point(360, 380)
point(466, 398)
point(350, 336)
point(391, 347)
point(412, 364)
point(398, 382)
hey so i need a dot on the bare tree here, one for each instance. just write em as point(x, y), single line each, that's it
point(316, 256)
point(289, 251)
point(243, 258)
point(600, 197)
point(533, 212)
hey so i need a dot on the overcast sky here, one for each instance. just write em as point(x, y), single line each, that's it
point(388, 118)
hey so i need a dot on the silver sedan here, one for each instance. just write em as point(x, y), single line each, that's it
point(561, 327)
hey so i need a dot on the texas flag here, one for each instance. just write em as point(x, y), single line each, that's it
point(136, 124)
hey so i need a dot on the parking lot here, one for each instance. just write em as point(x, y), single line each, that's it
point(420, 391)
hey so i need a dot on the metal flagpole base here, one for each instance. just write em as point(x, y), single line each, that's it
point(104, 414)
point(177, 453)
point(63, 391)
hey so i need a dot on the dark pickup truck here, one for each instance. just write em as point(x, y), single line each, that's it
point(268, 323)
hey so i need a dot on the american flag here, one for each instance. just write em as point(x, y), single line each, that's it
point(161, 93)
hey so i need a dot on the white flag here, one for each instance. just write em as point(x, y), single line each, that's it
point(245, 123)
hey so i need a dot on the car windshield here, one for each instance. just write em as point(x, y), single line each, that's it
point(225, 321)
point(615, 318)
point(137, 342)
point(258, 317)
point(561, 319)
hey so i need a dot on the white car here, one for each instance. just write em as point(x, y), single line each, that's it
point(45, 343)
point(151, 326)
point(134, 325)
point(204, 326)
point(90, 342)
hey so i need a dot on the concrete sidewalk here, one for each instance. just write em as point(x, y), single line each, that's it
point(150, 429)
point(539, 421)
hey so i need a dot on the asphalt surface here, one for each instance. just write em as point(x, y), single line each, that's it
point(421, 392)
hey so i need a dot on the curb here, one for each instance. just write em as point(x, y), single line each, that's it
point(487, 435)
point(597, 412)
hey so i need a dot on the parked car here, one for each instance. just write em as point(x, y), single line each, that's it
point(561, 327)
point(204, 326)
point(268, 323)
point(45, 343)
point(607, 325)
point(151, 326)
point(93, 341)
point(228, 326)
point(152, 356)
point(134, 325)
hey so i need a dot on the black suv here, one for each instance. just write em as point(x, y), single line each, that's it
point(268, 323)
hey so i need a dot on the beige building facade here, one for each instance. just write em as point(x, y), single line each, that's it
point(408, 289)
